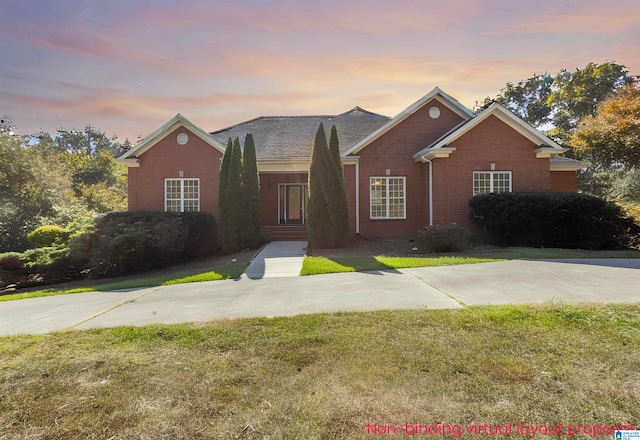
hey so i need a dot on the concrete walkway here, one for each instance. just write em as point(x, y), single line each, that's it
point(277, 259)
point(507, 282)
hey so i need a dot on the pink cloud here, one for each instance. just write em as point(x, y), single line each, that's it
point(577, 17)
point(374, 16)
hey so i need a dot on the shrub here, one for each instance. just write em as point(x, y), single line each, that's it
point(11, 261)
point(550, 219)
point(443, 238)
point(52, 262)
point(129, 242)
point(48, 235)
point(634, 213)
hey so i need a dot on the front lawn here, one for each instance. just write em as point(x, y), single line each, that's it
point(164, 278)
point(330, 376)
point(332, 263)
point(320, 265)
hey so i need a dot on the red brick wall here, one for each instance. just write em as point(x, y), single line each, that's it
point(166, 159)
point(394, 151)
point(564, 181)
point(492, 141)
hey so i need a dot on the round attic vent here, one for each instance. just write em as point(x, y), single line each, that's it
point(434, 112)
point(183, 138)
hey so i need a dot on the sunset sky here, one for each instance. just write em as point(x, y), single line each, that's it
point(127, 66)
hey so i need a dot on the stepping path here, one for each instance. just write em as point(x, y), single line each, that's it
point(277, 259)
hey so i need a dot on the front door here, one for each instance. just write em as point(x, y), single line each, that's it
point(291, 204)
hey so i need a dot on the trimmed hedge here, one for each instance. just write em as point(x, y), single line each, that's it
point(551, 219)
point(128, 242)
point(443, 238)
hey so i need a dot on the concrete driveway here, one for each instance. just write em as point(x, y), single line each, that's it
point(509, 282)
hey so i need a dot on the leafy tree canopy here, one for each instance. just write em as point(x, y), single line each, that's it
point(611, 137)
point(558, 102)
point(61, 181)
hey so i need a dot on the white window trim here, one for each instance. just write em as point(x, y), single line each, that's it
point(404, 196)
point(492, 174)
point(182, 199)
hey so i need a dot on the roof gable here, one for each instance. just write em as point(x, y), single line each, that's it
point(547, 147)
point(436, 94)
point(131, 156)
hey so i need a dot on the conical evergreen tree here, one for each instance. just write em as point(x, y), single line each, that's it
point(317, 213)
point(327, 223)
point(251, 195)
point(334, 148)
point(223, 197)
point(232, 241)
point(338, 204)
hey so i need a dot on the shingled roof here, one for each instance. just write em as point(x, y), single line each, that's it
point(291, 137)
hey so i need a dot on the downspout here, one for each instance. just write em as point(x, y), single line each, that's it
point(357, 196)
point(430, 190)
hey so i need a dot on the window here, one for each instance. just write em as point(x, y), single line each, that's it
point(182, 195)
point(387, 197)
point(491, 182)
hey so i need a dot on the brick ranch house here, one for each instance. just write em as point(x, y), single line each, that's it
point(402, 173)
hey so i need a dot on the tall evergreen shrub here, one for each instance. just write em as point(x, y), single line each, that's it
point(232, 240)
point(327, 211)
point(224, 219)
point(338, 204)
point(251, 222)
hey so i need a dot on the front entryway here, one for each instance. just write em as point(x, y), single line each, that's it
point(292, 199)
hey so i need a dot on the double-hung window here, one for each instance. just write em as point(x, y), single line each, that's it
point(491, 182)
point(182, 195)
point(388, 197)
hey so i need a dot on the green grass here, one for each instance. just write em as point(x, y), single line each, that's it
point(327, 376)
point(322, 265)
point(230, 271)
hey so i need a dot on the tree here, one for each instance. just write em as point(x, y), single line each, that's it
point(577, 95)
point(252, 232)
point(232, 240)
point(239, 197)
point(31, 192)
point(528, 99)
point(89, 141)
point(224, 220)
point(334, 148)
point(338, 202)
point(327, 221)
point(611, 137)
point(557, 103)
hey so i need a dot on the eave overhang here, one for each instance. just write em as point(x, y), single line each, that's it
point(162, 132)
point(432, 154)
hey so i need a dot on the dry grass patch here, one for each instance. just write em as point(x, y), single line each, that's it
point(325, 376)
